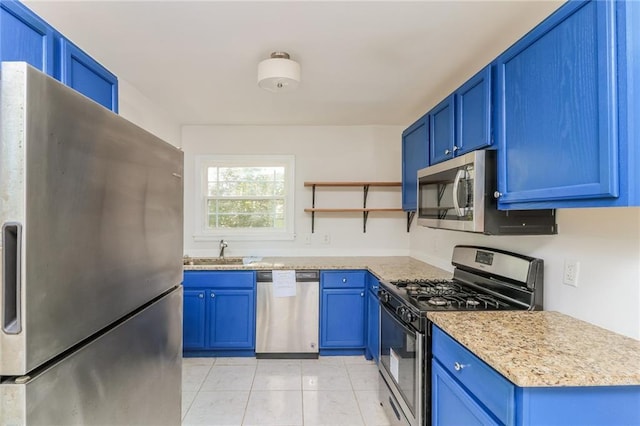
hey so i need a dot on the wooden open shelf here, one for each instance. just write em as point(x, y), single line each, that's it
point(364, 210)
point(352, 210)
point(353, 184)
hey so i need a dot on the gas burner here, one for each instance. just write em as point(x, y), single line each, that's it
point(472, 302)
point(437, 301)
point(409, 284)
point(443, 286)
point(489, 301)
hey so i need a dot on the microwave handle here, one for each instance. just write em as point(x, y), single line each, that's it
point(456, 185)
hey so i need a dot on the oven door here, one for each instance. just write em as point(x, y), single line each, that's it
point(401, 364)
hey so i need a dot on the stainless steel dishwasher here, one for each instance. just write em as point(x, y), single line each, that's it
point(287, 327)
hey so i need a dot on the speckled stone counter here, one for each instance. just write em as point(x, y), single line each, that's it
point(384, 267)
point(534, 349)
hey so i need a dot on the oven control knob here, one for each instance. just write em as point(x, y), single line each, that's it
point(408, 316)
point(383, 295)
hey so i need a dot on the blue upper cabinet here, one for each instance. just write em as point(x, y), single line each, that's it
point(87, 76)
point(473, 113)
point(462, 122)
point(26, 37)
point(415, 156)
point(566, 109)
point(441, 130)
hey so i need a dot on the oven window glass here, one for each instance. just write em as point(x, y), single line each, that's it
point(398, 356)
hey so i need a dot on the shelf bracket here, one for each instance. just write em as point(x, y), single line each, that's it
point(313, 205)
point(410, 216)
point(365, 214)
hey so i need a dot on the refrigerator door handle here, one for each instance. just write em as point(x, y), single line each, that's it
point(11, 271)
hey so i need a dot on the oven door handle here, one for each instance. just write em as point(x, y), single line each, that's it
point(420, 366)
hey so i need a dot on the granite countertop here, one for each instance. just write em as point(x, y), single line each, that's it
point(542, 348)
point(384, 267)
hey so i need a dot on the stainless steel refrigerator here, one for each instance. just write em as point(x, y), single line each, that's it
point(91, 208)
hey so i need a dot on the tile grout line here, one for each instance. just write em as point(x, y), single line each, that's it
point(197, 392)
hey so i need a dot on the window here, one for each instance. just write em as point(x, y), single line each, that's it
point(245, 197)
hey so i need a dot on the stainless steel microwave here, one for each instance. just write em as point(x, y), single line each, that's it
point(457, 194)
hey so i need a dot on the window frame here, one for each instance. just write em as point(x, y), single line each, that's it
point(202, 162)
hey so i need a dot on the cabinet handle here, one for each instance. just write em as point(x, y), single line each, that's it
point(201, 296)
point(447, 152)
point(213, 295)
point(344, 280)
point(457, 366)
point(361, 294)
point(455, 148)
point(497, 194)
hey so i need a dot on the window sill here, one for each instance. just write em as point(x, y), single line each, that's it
point(237, 236)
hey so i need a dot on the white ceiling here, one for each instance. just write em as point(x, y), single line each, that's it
point(378, 62)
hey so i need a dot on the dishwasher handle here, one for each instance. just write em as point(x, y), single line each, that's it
point(311, 276)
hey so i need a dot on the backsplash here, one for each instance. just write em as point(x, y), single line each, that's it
point(605, 241)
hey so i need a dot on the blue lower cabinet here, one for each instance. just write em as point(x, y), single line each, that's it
point(373, 319)
point(452, 404)
point(342, 316)
point(231, 319)
point(219, 313)
point(467, 391)
point(342, 311)
point(193, 324)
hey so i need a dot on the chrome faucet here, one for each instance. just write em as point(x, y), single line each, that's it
point(223, 245)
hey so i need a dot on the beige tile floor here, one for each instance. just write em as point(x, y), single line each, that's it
point(246, 391)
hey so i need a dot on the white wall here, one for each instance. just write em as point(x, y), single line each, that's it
point(322, 153)
point(138, 109)
point(605, 241)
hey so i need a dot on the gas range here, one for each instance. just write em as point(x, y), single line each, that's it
point(483, 279)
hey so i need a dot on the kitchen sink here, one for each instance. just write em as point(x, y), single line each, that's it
point(200, 261)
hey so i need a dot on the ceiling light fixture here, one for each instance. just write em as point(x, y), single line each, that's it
point(278, 73)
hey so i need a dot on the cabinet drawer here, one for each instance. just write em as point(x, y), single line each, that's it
point(219, 279)
point(342, 279)
point(487, 385)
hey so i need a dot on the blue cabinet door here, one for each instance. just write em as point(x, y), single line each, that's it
point(373, 320)
point(342, 318)
point(83, 73)
point(442, 131)
point(194, 321)
point(25, 37)
point(557, 116)
point(231, 319)
point(451, 405)
point(415, 156)
point(473, 113)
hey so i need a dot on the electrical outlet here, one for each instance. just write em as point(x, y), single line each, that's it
point(571, 272)
point(326, 239)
